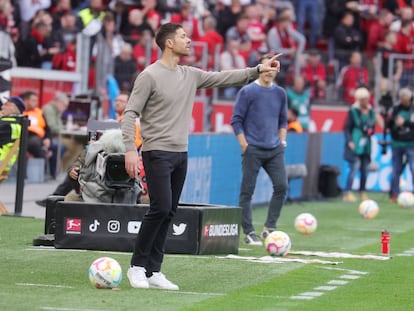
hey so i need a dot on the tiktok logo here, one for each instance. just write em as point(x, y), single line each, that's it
point(94, 226)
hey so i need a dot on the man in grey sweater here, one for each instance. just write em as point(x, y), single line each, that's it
point(163, 97)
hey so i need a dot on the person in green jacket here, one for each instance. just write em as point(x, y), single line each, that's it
point(359, 127)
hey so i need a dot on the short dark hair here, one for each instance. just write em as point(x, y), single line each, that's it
point(27, 94)
point(166, 31)
point(264, 57)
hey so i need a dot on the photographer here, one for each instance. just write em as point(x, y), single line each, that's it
point(401, 124)
point(359, 127)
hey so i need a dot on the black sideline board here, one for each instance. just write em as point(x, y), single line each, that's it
point(195, 229)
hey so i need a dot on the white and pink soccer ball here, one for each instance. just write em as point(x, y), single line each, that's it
point(306, 223)
point(105, 272)
point(405, 199)
point(277, 243)
point(368, 209)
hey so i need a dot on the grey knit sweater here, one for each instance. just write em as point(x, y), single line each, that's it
point(163, 99)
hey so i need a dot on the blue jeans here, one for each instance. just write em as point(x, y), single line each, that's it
point(398, 154)
point(359, 165)
point(165, 173)
point(273, 162)
point(310, 11)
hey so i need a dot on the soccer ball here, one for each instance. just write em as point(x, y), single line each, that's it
point(277, 243)
point(306, 223)
point(405, 199)
point(105, 272)
point(368, 209)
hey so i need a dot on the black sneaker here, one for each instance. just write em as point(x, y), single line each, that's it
point(252, 239)
point(41, 202)
point(265, 234)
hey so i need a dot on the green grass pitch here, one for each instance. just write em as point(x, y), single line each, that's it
point(35, 278)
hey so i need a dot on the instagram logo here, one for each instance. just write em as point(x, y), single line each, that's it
point(114, 226)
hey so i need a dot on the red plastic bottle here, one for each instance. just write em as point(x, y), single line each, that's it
point(385, 242)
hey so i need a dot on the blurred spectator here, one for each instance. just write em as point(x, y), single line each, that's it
point(293, 124)
point(299, 100)
point(31, 51)
point(69, 28)
point(255, 28)
point(145, 52)
point(231, 58)
point(389, 80)
point(376, 32)
point(125, 68)
point(185, 17)
point(66, 60)
point(95, 11)
point(314, 73)
point(52, 113)
point(152, 16)
point(7, 49)
point(53, 41)
point(213, 39)
point(405, 14)
point(283, 38)
point(120, 11)
point(200, 8)
point(8, 21)
point(62, 8)
point(396, 6)
point(309, 12)
point(39, 137)
point(404, 45)
point(114, 41)
point(227, 15)
point(352, 77)
point(136, 26)
point(239, 33)
point(368, 12)
point(347, 39)
point(28, 9)
point(333, 13)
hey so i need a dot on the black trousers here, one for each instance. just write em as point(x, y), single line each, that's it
point(66, 186)
point(165, 173)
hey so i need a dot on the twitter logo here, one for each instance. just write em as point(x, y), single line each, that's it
point(179, 229)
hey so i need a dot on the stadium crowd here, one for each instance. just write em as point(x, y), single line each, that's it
point(330, 47)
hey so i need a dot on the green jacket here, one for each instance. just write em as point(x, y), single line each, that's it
point(9, 132)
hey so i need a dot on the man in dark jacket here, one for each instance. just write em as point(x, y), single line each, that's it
point(402, 144)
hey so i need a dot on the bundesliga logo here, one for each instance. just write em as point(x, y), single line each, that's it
point(221, 230)
point(73, 225)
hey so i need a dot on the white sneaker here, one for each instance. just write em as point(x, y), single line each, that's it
point(137, 277)
point(158, 280)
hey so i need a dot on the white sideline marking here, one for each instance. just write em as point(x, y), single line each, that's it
point(349, 277)
point(69, 309)
point(406, 253)
point(43, 285)
point(326, 288)
point(337, 282)
point(312, 294)
point(193, 293)
point(302, 297)
point(342, 269)
point(51, 248)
